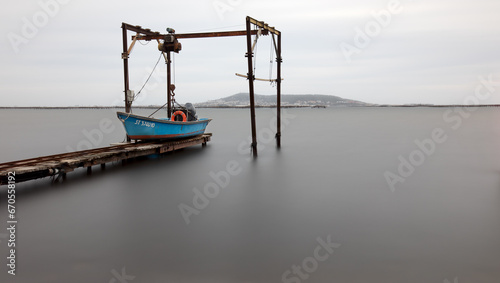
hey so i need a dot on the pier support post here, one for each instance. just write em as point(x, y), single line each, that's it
point(278, 88)
point(249, 55)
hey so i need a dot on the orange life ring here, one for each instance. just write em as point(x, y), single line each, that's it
point(184, 118)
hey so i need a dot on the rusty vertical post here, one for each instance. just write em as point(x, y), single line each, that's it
point(125, 67)
point(169, 90)
point(278, 87)
point(125, 70)
point(251, 89)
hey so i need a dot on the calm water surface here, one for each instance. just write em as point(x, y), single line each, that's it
point(350, 197)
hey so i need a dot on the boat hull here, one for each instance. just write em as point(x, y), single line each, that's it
point(144, 128)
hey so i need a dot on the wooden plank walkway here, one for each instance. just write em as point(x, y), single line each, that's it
point(60, 164)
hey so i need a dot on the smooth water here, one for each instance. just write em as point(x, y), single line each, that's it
point(354, 195)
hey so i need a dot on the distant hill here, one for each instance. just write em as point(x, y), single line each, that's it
point(290, 100)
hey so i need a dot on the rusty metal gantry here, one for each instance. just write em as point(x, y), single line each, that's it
point(264, 29)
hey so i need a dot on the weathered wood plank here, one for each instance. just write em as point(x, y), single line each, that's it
point(46, 166)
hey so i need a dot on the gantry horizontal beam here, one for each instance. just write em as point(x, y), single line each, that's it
point(263, 26)
point(147, 34)
point(139, 29)
point(197, 35)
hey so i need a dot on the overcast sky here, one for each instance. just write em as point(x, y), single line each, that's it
point(68, 52)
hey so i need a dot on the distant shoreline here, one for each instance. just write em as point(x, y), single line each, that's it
point(246, 107)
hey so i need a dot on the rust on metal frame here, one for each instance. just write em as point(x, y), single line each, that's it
point(251, 79)
point(195, 35)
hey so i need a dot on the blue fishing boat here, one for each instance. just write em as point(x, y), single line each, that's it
point(145, 128)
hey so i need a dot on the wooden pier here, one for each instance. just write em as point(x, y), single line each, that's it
point(60, 164)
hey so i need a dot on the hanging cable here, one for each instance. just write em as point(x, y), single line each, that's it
point(173, 63)
point(271, 61)
point(173, 102)
point(158, 109)
point(135, 96)
point(255, 60)
point(255, 48)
